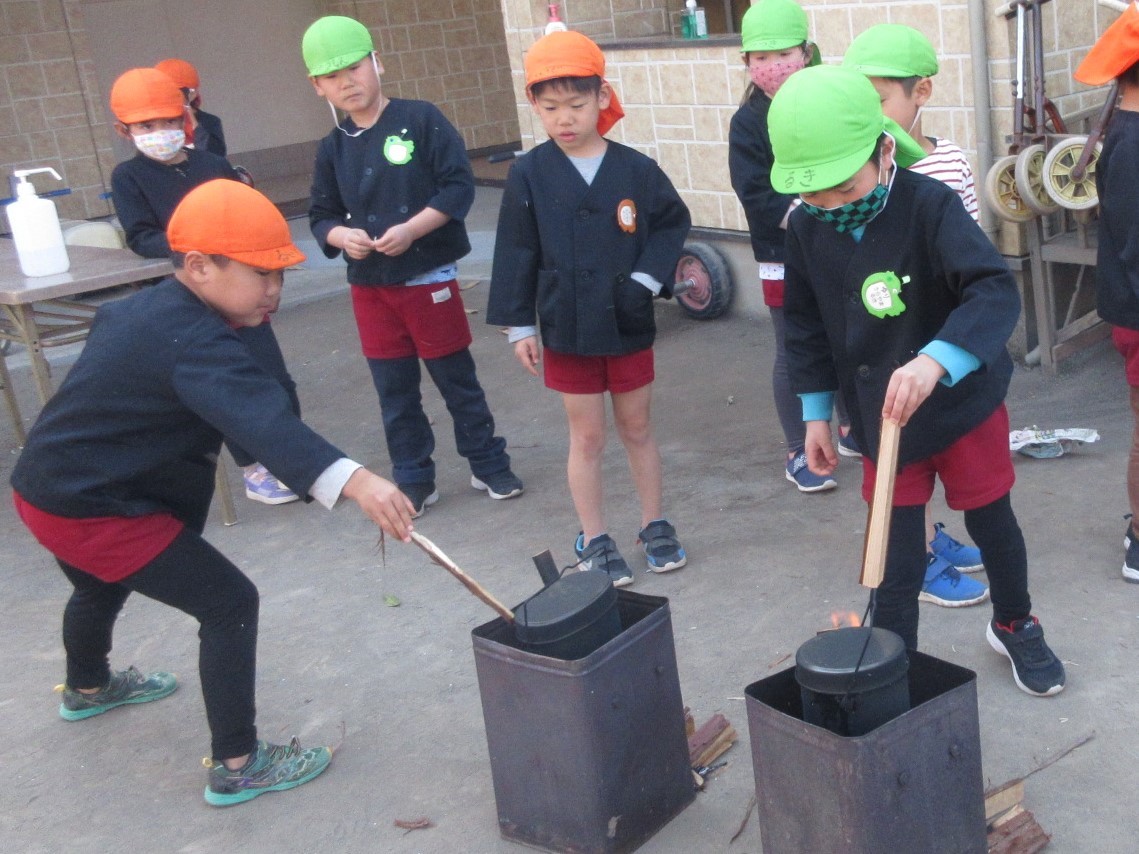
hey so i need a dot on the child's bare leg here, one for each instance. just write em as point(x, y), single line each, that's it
point(631, 413)
point(586, 414)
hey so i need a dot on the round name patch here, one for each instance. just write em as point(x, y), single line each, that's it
point(882, 294)
point(627, 216)
point(398, 151)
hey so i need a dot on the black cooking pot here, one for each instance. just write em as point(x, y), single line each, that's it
point(853, 680)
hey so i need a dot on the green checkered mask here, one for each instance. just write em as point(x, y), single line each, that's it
point(854, 214)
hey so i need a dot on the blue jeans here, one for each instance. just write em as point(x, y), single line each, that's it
point(407, 431)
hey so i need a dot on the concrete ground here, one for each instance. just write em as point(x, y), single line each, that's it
point(395, 687)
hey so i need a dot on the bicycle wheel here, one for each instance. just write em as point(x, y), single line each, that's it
point(1030, 184)
point(1065, 190)
point(1001, 193)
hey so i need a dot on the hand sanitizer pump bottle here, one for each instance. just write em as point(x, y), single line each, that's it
point(35, 229)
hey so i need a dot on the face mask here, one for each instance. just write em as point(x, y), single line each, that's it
point(161, 145)
point(853, 215)
point(771, 75)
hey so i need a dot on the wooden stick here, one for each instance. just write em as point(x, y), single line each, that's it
point(878, 523)
point(436, 554)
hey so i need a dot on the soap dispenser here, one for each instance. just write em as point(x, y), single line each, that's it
point(35, 228)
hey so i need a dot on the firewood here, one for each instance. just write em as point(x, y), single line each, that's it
point(717, 748)
point(689, 723)
point(1003, 798)
point(700, 740)
point(1017, 833)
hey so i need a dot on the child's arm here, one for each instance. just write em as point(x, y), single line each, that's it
point(668, 223)
point(517, 251)
point(749, 166)
point(398, 239)
point(382, 502)
point(526, 351)
point(145, 233)
point(909, 387)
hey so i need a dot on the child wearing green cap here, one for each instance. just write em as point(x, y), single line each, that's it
point(901, 63)
point(391, 187)
point(774, 46)
point(894, 296)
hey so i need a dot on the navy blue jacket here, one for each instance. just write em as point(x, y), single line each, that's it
point(1117, 255)
point(208, 135)
point(367, 182)
point(959, 291)
point(561, 256)
point(136, 426)
point(145, 193)
point(749, 164)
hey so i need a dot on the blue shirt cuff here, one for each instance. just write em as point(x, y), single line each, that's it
point(817, 405)
point(958, 363)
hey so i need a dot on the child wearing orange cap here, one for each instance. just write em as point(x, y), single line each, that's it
point(589, 233)
point(391, 187)
point(205, 128)
point(117, 476)
point(147, 188)
point(1116, 57)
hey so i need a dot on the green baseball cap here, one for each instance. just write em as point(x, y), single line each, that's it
point(773, 25)
point(334, 42)
point(891, 50)
point(824, 123)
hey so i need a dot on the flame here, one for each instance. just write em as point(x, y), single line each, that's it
point(844, 619)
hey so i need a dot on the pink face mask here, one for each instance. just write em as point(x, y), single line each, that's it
point(769, 76)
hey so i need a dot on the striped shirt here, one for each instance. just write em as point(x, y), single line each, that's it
point(948, 164)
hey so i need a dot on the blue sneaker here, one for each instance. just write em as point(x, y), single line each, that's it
point(1035, 668)
point(848, 445)
point(965, 558)
point(270, 768)
point(807, 481)
point(602, 554)
point(500, 485)
point(261, 485)
point(1131, 561)
point(124, 688)
point(947, 587)
point(662, 549)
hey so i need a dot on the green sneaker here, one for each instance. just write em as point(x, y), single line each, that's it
point(271, 768)
point(126, 686)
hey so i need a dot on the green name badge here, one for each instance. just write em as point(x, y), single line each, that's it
point(882, 294)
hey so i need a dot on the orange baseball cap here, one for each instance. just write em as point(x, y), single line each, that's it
point(143, 94)
point(1115, 51)
point(181, 72)
point(224, 217)
point(570, 54)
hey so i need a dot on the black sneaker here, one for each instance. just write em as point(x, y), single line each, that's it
point(500, 485)
point(422, 496)
point(126, 687)
point(270, 768)
point(602, 554)
point(1035, 667)
point(663, 552)
point(1131, 562)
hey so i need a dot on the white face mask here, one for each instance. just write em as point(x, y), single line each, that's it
point(161, 145)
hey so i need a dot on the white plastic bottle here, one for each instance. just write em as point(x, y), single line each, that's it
point(554, 24)
point(35, 229)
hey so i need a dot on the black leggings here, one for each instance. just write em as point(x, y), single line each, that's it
point(194, 577)
point(995, 531)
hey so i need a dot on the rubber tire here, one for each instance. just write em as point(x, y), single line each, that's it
point(712, 294)
point(1030, 182)
point(1057, 175)
point(1001, 193)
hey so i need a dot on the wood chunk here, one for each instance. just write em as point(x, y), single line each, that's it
point(1003, 798)
point(717, 748)
point(1018, 832)
point(702, 739)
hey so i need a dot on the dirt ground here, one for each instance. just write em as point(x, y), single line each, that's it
point(395, 687)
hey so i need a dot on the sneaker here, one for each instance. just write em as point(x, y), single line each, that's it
point(947, 587)
point(261, 485)
point(501, 485)
point(965, 558)
point(807, 481)
point(1131, 561)
point(662, 550)
point(1035, 667)
point(847, 445)
point(271, 768)
point(602, 554)
point(126, 686)
point(422, 496)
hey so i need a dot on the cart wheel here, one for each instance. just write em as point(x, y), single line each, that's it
point(1001, 193)
point(710, 289)
point(1065, 190)
point(1030, 184)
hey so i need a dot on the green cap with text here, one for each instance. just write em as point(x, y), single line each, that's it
point(334, 42)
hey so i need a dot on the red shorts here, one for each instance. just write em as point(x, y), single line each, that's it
point(572, 374)
point(108, 547)
point(975, 470)
point(395, 321)
point(1127, 342)
point(772, 292)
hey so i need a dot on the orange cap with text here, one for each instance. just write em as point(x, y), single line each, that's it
point(181, 72)
point(1115, 51)
point(145, 94)
point(224, 217)
point(570, 54)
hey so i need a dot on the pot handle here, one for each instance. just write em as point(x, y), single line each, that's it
point(544, 561)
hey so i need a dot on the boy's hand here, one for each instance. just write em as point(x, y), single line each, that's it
point(526, 350)
point(821, 456)
point(357, 244)
point(382, 502)
point(395, 241)
point(909, 386)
